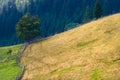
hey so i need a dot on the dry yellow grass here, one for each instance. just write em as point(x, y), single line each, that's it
point(89, 52)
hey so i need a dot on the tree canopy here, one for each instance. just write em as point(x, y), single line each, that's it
point(28, 27)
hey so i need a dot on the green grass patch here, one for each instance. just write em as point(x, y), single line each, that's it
point(81, 44)
point(58, 72)
point(66, 70)
point(95, 75)
point(116, 60)
point(9, 69)
point(109, 63)
point(109, 31)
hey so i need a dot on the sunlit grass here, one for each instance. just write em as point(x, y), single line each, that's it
point(94, 46)
point(9, 69)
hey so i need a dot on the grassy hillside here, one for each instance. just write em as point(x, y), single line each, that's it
point(9, 69)
point(89, 52)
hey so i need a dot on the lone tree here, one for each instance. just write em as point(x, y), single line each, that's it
point(86, 15)
point(97, 10)
point(28, 27)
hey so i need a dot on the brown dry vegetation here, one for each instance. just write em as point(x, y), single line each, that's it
point(89, 52)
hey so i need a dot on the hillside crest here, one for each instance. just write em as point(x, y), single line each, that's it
point(88, 52)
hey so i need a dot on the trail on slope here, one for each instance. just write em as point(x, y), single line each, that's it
point(19, 62)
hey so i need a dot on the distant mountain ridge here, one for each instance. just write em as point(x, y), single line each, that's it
point(19, 4)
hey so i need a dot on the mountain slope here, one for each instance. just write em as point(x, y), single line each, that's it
point(89, 52)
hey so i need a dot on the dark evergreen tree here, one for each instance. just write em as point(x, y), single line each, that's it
point(86, 15)
point(28, 27)
point(98, 11)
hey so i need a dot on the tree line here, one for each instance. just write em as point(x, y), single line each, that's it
point(28, 26)
point(55, 16)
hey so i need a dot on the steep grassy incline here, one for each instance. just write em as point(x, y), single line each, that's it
point(89, 52)
point(9, 69)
